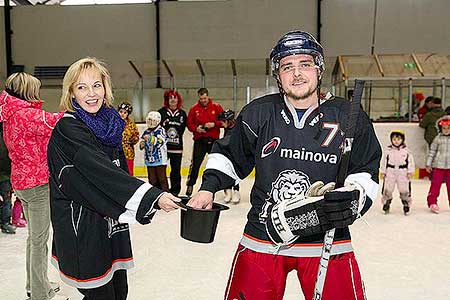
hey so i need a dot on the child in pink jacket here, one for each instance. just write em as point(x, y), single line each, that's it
point(397, 167)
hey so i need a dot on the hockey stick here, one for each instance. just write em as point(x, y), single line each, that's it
point(349, 131)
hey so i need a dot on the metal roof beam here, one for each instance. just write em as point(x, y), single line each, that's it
point(379, 65)
point(22, 2)
point(342, 66)
point(233, 67)
point(200, 67)
point(417, 63)
point(167, 68)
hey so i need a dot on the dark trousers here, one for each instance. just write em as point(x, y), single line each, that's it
point(175, 172)
point(201, 147)
point(116, 289)
point(5, 205)
point(157, 177)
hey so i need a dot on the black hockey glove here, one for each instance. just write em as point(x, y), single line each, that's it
point(313, 213)
point(300, 216)
point(341, 207)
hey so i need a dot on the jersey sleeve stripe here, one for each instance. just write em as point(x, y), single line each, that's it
point(132, 205)
point(220, 162)
point(249, 128)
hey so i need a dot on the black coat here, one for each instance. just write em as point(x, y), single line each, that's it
point(5, 161)
point(93, 198)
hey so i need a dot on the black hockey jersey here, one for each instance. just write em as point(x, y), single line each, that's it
point(289, 155)
point(174, 122)
point(92, 198)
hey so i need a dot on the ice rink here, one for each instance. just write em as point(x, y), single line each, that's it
point(401, 257)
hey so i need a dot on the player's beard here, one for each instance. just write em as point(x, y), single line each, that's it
point(303, 95)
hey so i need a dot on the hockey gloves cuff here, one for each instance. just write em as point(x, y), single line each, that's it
point(300, 216)
point(318, 210)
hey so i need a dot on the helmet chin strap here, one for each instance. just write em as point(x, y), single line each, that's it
point(280, 88)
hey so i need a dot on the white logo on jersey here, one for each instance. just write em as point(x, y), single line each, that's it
point(116, 162)
point(172, 136)
point(285, 117)
point(303, 154)
point(115, 227)
point(270, 147)
point(316, 119)
point(289, 184)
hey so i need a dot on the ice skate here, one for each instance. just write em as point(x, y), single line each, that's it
point(387, 206)
point(8, 229)
point(20, 222)
point(228, 195)
point(406, 210)
point(189, 190)
point(434, 208)
point(236, 197)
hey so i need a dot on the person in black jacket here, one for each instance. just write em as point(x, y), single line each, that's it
point(93, 197)
point(228, 119)
point(173, 120)
point(5, 188)
point(294, 141)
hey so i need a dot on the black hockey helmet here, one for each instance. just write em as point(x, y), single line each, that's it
point(296, 42)
point(226, 115)
point(126, 106)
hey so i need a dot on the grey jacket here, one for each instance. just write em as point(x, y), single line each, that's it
point(439, 155)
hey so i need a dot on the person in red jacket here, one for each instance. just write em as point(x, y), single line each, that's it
point(427, 106)
point(202, 122)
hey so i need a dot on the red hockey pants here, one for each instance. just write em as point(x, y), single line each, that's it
point(261, 276)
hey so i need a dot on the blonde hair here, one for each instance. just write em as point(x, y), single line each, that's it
point(73, 74)
point(24, 85)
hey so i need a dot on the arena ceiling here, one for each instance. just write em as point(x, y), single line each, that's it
point(84, 2)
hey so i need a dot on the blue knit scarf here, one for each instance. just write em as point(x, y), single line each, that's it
point(106, 124)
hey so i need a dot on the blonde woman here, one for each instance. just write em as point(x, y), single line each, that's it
point(93, 198)
point(26, 131)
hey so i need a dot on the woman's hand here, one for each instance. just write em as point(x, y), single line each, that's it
point(167, 202)
point(428, 168)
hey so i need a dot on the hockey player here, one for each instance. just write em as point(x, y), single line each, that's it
point(228, 119)
point(293, 140)
point(93, 198)
point(397, 167)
